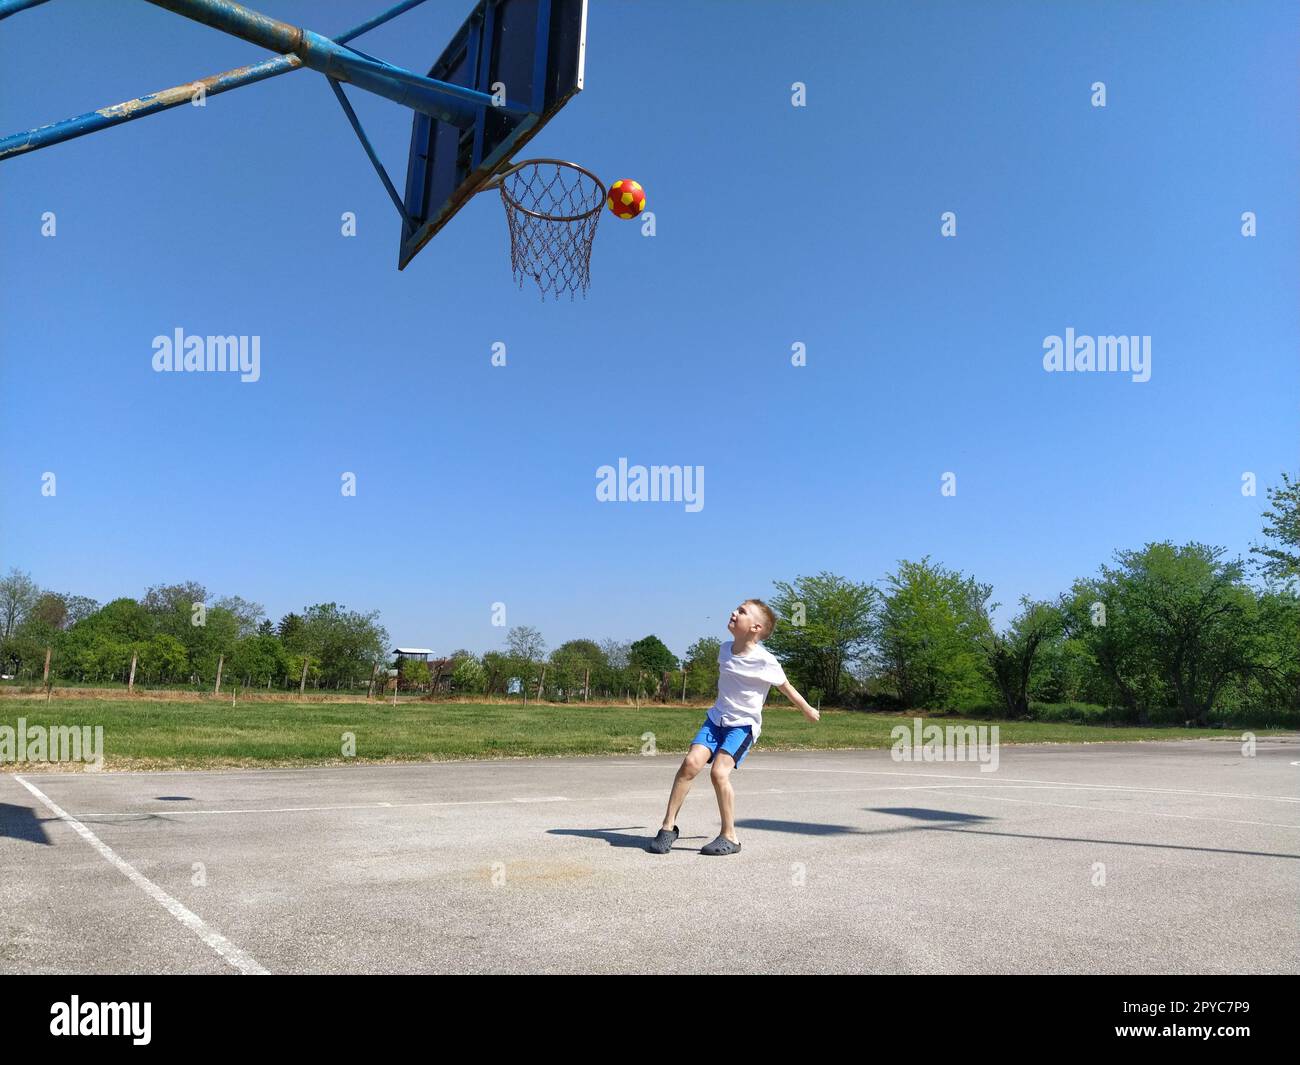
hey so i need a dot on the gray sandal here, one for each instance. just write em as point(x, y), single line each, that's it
point(663, 842)
point(721, 845)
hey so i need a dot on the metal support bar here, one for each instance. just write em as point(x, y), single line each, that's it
point(370, 151)
point(379, 20)
point(12, 7)
point(93, 121)
point(440, 99)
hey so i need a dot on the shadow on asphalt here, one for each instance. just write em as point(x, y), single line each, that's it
point(954, 822)
point(618, 837)
point(21, 822)
point(799, 828)
point(918, 813)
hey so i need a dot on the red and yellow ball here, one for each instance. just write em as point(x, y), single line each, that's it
point(626, 198)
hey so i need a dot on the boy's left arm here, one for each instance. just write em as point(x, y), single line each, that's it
point(801, 704)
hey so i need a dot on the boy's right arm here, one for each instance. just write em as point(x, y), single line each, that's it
point(790, 692)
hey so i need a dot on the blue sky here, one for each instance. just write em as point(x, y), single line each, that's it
point(775, 225)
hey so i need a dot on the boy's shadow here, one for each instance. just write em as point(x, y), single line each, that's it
point(618, 837)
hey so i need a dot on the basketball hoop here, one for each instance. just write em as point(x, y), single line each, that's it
point(552, 209)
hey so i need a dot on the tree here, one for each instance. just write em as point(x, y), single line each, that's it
point(572, 663)
point(1178, 627)
point(930, 626)
point(496, 672)
point(209, 643)
point(1064, 671)
point(614, 677)
point(468, 677)
point(258, 658)
point(1097, 617)
point(50, 610)
point(345, 644)
point(18, 594)
point(1010, 657)
point(248, 615)
point(1197, 616)
point(702, 666)
point(616, 652)
point(101, 645)
point(648, 660)
point(415, 673)
point(164, 659)
point(825, 625)
point(24, 651)
point(293, 667)
point(79, 608)
point(290, 631)
point(525, 643)
point(162, 599)
point(525, 647)
point(1281, 559)
point(41, 628)
point(122, 619)
point(1276, 666)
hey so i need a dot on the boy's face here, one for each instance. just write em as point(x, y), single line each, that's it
point(746, 622)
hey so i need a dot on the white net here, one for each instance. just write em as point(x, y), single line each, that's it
point(552, 208)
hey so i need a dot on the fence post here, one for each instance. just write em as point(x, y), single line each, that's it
point(130, 684)
point(46, 679)
point(221, 661)
point(302, 684)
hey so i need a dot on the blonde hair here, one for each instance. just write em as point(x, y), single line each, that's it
point(769, 616)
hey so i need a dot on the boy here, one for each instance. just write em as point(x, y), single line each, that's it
point(746, 670)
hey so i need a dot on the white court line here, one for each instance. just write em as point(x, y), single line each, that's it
point(989, 782)
point(214, 939)
point(175, 813)
point(626, 761)
point(1025, 780)
point(172, 812)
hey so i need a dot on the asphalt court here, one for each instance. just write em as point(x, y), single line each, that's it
point(1177, 857)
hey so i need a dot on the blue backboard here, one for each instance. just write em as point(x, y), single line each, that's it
point(530, 52)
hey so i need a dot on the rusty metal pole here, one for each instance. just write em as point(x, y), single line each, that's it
point(443, 100)
point(166, 99)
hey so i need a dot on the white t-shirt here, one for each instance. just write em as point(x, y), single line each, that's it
point(743, 683)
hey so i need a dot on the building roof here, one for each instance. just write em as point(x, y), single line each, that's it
point(412, 650)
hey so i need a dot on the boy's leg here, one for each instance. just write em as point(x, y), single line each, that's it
point(731, 752)
point(696, 759)
point(723, 764)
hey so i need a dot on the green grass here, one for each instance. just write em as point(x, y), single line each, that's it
point(140, 734)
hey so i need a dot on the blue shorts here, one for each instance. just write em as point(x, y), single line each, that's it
point(735, 740)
